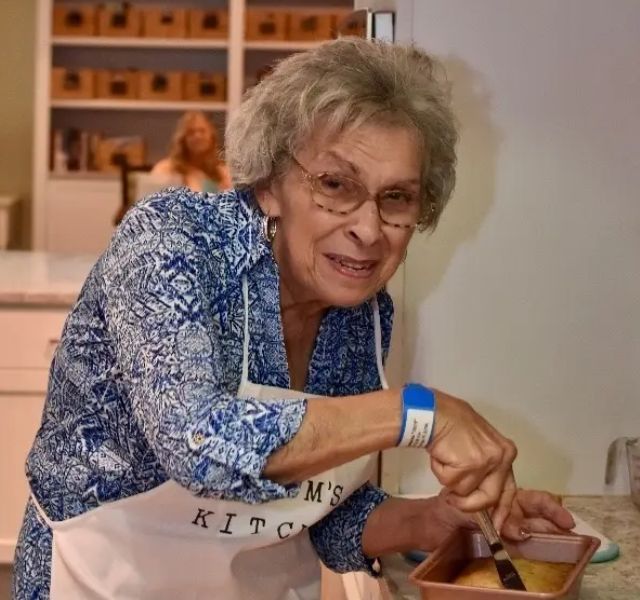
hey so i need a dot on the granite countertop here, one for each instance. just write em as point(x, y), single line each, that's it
point(614, 516)
point(42, 279)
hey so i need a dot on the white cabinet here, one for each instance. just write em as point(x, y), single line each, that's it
point(80, 213)
point(28, 337)
point(19, 420)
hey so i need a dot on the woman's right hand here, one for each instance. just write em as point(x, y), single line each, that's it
point(471, 458)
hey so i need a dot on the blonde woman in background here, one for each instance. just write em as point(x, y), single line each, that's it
point(194, 159)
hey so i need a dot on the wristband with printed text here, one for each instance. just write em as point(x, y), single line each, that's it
point(418, 416)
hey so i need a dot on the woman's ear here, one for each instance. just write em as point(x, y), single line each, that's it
point(267, 195)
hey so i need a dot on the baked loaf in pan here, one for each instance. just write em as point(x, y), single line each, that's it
point(538, 576)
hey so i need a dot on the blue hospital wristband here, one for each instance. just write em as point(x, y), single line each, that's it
point(418, 416)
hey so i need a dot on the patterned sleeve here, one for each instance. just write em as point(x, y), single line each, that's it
point(161, 277)
point(337, 537)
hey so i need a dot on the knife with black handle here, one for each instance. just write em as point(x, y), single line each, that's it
point(507, 572)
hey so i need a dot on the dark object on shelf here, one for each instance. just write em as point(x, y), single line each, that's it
point(72, 149)
point(74, 19)
point(208, 24)
point(127, 186)
point(71, 83)
point(112, 151)
point(117, 84)
point(205, 86)
point(350, 23)
point(160, 85)
point(266, 25)
point(164, 22)
point(119, 20)
point(73, 146)
point(307, 26)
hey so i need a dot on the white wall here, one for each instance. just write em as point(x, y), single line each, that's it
point(526, 301)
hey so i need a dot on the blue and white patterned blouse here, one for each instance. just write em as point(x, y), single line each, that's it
point(151, 356)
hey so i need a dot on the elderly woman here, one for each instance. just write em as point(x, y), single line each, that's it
point(218, 398)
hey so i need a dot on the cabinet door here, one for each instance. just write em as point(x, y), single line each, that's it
point(93, 203)
point(28, 339)
point(19, 420)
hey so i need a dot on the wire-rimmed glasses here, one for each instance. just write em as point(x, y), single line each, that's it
point(343, 195)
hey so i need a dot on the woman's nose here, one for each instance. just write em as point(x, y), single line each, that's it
point(365, 224)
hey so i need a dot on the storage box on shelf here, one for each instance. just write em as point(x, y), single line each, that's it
point(164, 22)
point(74, 19)
point(116, 84)
point(111, 152)
point(310, 25)
point(266, 24)
point(349, 23)
point(72, 83)
point(119, 20)
point(205, 87)
point(160, 85)
point(208, 24)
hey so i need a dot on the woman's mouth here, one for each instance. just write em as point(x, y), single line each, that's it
point(351, 267)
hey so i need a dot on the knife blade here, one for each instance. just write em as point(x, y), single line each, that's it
point(507, 572)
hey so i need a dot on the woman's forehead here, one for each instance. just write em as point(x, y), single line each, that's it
point(360, 148)
point(198, 122)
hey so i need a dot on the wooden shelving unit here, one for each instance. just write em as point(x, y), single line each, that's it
point(128, 105)
point(279, 46)
point(106, 42)
point(66, 203)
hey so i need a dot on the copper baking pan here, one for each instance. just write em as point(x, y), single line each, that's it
point(443, 565)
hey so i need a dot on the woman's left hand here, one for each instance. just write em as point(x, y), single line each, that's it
point(532, 511)
point(399, 525)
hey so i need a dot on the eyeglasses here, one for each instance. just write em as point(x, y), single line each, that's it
point(342, 195)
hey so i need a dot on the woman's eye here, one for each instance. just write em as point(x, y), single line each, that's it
point(398, 197)
point(333, 183)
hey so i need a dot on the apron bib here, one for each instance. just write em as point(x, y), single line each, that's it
point(167, 543)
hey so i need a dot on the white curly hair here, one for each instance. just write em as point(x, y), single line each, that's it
point(342, 84)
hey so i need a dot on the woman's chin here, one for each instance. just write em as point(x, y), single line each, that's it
point(345, 292)
point(348, 296)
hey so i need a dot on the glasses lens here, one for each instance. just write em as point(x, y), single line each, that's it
point(399, 207)
point(338, 193)
point(343, 195)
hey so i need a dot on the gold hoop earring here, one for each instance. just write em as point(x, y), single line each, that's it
point(269, 228)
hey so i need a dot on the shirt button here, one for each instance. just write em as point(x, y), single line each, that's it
point(198, 438)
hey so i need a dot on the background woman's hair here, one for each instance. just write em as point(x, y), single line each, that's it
point(179, 154)
point(342, 84)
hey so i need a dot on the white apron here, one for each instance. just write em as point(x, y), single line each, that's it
point(167, 544)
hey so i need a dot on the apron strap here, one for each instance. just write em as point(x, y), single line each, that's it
point(40, 512)
point(378, 335)
point(245, 345)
